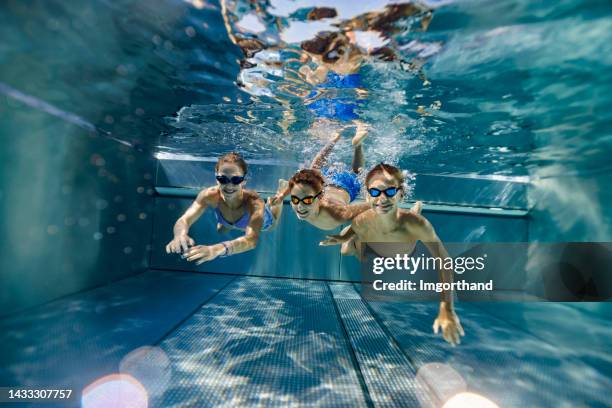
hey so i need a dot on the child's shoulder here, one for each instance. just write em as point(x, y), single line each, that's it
point(208, 195)
point(409, 218)
point(364, 218)
point(252, 197)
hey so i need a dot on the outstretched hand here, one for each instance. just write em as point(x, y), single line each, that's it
point(451, 326)
point(277, 199)
point(203, 253)
point(180, 243)
point(280, 193)
point(334, 239)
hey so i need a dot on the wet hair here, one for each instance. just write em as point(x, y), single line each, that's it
point(232, 157)
point(250, 46)
point(319, 13)
point(385, 168)
point(309, 177)
point(324, 44)
point(384, 54)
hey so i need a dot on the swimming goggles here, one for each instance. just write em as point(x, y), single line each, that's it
point(234, 180)
point(308, 200)
point(390, 192)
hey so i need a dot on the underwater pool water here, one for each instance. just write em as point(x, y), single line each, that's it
point(516, 88)
point(113, 112)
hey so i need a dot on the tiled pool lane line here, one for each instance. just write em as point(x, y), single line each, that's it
point(388, 373)
point(261, 342)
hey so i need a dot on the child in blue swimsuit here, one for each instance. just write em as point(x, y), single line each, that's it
point(234, 207)
point(343, 109)
point(243, 222)
point(338, 63)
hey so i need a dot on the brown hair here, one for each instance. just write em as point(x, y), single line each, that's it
point(232, 157)
point(310, 177)
point(324, 43)
point(385, 168)
point(250, 46)
point(318, 13)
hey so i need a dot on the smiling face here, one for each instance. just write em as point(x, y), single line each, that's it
point(229, 170)
point(383, 204)
point(303, 211)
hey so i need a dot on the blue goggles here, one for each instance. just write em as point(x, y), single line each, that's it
point(390, 192)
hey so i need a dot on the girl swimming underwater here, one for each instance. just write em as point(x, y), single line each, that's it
point(234, 207)
point(386, 222)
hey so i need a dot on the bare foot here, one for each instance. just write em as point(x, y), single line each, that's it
point(360, 134)
point(335, 137)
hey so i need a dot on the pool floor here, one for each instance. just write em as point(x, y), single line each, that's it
point(203, 340)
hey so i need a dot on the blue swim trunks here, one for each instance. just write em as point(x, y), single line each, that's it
point(346, 180)
point(343, 109)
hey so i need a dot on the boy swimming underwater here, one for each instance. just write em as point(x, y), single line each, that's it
point(321, 195)
point(386, 222)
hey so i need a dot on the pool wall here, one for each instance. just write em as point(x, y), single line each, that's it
point(76, 168)
point(76, 209)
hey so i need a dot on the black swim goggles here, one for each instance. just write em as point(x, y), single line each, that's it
point(234, 180)
point(390, 192)
point(308, 200)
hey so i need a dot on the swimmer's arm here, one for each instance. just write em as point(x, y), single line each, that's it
point(356, 209)
point(338, 239)
point(197, 208)
point(249, 240)
point(425, 233)
point(206, 253)
point(281, 194)
point(182, 241)
point(344, 213)
point(447, 319)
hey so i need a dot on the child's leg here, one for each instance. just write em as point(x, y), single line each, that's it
point(358, 159)
point(358, 156)
point(360, 133)
point(321, 157)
